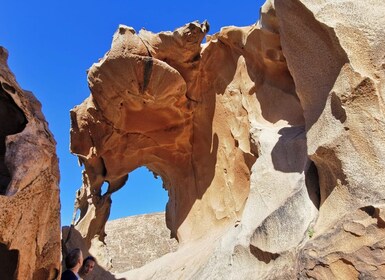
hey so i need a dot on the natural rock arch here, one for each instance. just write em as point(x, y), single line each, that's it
point(268, 139)
point(159, 100)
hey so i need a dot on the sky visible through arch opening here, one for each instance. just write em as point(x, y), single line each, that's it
point(137, 196)
point(51, 44)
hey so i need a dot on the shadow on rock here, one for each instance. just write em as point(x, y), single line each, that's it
point(71, 239)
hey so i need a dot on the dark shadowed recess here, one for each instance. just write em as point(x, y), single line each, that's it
point(12, 121)
point(71, 239)
point(8, 264)
point(263, 256)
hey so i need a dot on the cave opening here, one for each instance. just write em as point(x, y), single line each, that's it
point(9, 262)
point(12, 121)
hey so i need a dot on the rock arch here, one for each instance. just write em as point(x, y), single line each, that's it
point(268, 137)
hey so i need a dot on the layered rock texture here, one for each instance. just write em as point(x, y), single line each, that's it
point(269, 140)
point(29, 191)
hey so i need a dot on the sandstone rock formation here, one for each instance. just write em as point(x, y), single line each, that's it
point(29, 175)
point(269, 140)
point(134, 241)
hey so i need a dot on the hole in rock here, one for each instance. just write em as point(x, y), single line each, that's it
point(12, 121)
point(143, 236)
point(104, 188)
point(77, 216)
point(142, 194)
point(9, 260)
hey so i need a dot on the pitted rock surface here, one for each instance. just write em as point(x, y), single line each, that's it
point(268, 138)
point(29, 185)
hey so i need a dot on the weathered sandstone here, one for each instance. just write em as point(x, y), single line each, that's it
point(29, 191)
point(134, 241)
point(269, 140)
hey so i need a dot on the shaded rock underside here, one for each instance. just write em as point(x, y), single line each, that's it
point(268, 138)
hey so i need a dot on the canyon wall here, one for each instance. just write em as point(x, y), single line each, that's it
point(29, 185)
point(268, 138)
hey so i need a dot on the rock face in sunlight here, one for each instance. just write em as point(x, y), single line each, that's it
point(137, 240)
point(269, 140)
point(29, 191)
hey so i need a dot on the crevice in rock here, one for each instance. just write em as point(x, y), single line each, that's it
point(337, 109)
point(312, 185)
point(147, 72)
point(345, 261)
point(13, 121)
point(263, 256)
point(374, 213)
point(145, 44)
point(330, 172)
point(9, 262)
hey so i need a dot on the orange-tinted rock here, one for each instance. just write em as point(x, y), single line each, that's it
point(29, 175)
point(268, 139)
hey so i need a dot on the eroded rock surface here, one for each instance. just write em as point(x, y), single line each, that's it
point(29, 191)
point(269, 140)
point(134, 241)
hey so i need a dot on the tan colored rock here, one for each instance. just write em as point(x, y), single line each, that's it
point(353, 248)
point(29, 175)
point(134, 241)
point(340, 83)
point(268, 138)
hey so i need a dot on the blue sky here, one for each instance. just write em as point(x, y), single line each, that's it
point(52, 43)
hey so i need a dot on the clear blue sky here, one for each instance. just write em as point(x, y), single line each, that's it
point(52, 43)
